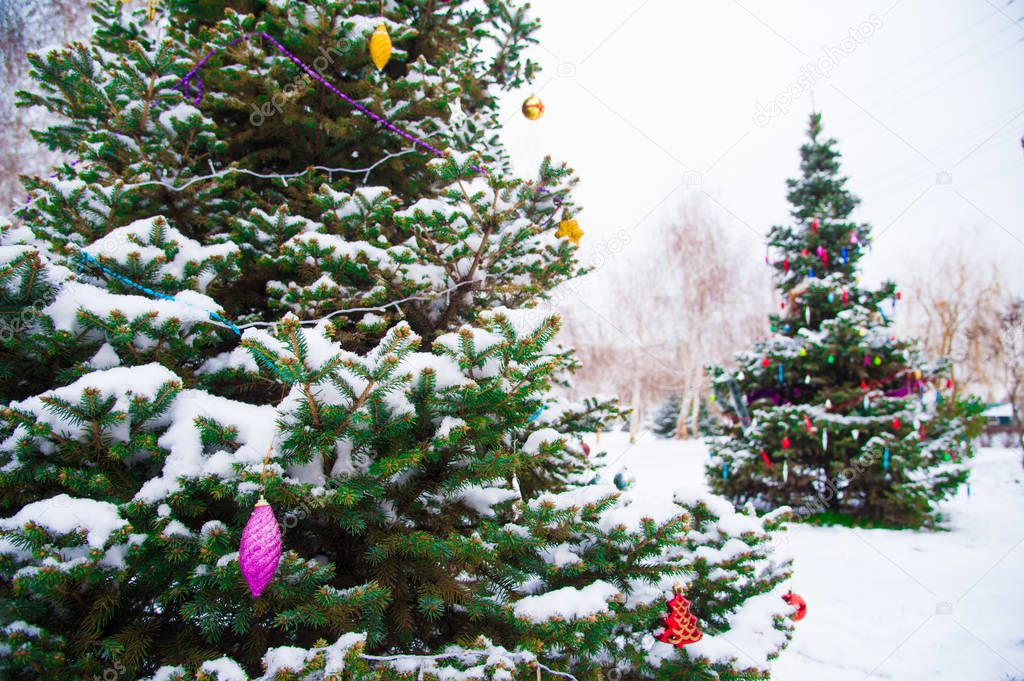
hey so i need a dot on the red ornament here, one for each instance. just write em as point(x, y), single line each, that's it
point(814, 224)
point(586, 448)
point(922, 433)
point(899, 295)
point(824, 258)
point(807, 422)
point(846, 296)
point(767, 461)
point(949, 383)
point(803, 252)
point(863, 385)
point(785, 265)
point(766, 362)
point(896, 423)
point(798, 603)
point(785, 442)
point(680, 626)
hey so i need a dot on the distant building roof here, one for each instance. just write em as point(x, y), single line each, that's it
point(999, 411)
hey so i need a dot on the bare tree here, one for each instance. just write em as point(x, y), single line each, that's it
point(954, 308)
point(690, 295)
point(27, 25)
point(1007, 344)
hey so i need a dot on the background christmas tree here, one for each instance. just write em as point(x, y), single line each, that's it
point(833, 414)
point(665, 421)
point(208, 306)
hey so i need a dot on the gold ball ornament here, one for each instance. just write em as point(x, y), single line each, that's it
point(380, 47)
point(533, 108)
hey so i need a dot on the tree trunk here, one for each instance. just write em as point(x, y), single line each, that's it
point(634, 423)
point(682, 432)
point(695, 414)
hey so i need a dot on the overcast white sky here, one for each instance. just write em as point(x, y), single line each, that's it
point(649, 99)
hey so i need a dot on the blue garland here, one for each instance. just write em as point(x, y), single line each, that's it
point(89, 260)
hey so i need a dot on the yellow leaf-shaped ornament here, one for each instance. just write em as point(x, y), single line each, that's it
point(380, 47)
point(570, 229)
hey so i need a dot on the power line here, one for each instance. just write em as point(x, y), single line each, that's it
point(963, 72)
point(942, 43)
point(955, 145)
point(901, 92)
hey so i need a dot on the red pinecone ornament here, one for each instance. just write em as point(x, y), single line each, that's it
point(680, 626)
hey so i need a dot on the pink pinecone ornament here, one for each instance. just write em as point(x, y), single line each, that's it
point(260, 550)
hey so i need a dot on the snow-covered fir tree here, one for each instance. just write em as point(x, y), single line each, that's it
point(833, 415)
point(211, 306)
point(666, 419)
point(665, 422)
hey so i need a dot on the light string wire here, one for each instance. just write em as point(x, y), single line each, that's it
point(468, 653)
point(284, 177)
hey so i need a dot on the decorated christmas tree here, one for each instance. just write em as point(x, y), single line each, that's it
point(278, 402)
point(833, 415)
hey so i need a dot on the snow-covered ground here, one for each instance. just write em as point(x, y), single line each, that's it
point(885, 604)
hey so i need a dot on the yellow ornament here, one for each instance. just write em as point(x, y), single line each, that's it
point(533, 108)
point(150, 8)
point(917, 374)
point(803, 352)
point(570, 229)
point(380, 47)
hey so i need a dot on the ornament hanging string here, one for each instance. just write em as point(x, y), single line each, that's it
point(216, 174)
point(263, 473)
